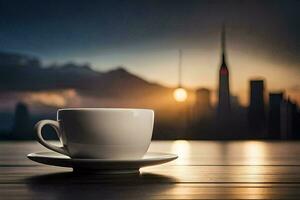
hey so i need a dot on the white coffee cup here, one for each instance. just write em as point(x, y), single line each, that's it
point(104, 133)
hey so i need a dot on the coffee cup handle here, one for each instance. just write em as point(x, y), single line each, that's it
point(54, 124)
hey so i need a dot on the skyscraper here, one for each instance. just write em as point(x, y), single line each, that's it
point(275, 100)
point(287, 109)
point(224, 110)
point(202, 113)
point(22, 125)
point(256, 110)
point(289, 120)
point(202, 106)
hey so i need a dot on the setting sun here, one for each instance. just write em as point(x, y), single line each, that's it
point(180, 95)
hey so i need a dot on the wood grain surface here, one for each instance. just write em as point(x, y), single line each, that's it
point(204, 170)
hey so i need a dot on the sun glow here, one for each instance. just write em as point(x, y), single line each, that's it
point(180, 95)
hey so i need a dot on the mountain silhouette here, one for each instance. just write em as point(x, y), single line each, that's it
point(21, 73)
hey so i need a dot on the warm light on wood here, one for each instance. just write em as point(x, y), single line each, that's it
point(180, 95)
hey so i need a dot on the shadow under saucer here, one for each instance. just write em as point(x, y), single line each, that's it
point(71, 177)
point(69, 185)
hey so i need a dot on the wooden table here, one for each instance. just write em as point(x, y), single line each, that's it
point(204, 170)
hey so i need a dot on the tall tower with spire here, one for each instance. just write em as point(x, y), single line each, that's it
point(224, 109)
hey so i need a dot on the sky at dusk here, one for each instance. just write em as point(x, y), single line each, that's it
point(144, 37)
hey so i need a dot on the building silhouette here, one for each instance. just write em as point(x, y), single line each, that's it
point(22, 124)
point(200, 126)
point(286, 119)
point(289, 120)
point(224, 108)
point(202, 107)
point(256, 109)
point(296, 122)
point(275, 100)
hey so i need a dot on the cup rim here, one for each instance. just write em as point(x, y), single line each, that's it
point(104, 109)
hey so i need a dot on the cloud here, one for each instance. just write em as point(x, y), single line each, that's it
point(52, 98)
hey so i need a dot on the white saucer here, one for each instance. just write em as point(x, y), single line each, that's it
point(103, 166)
